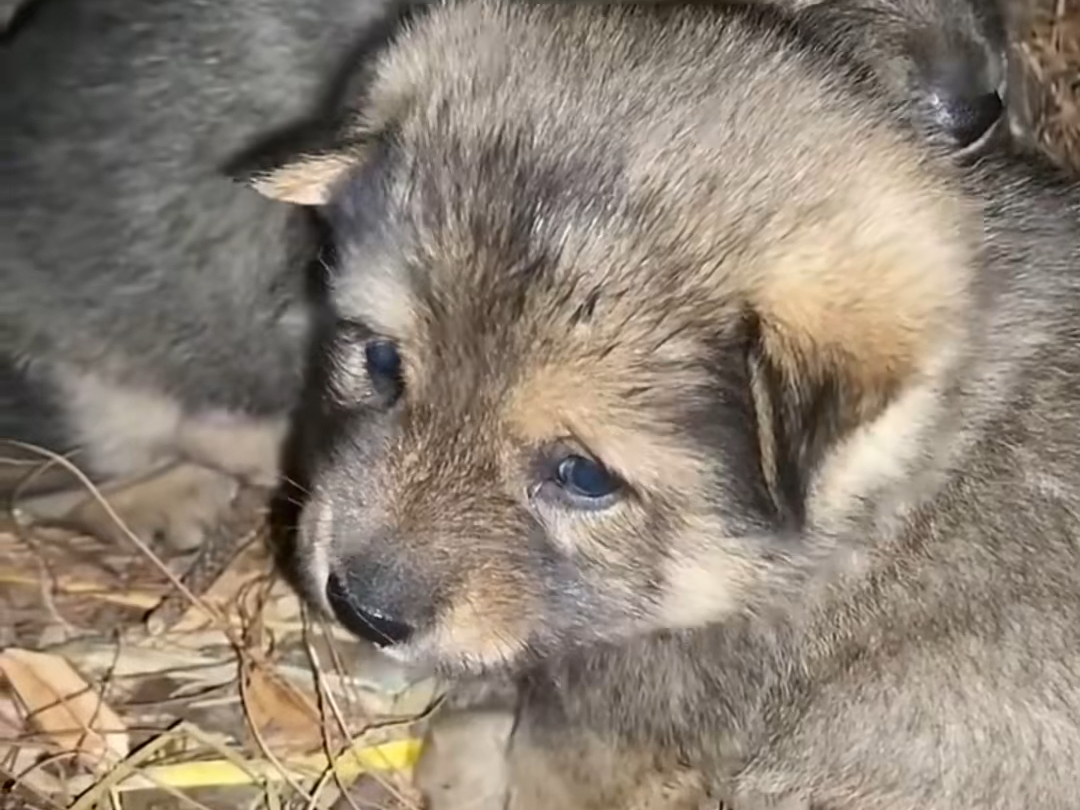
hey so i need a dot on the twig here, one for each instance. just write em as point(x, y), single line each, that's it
point(130, 535)
point(327, 698)
point(262, 742)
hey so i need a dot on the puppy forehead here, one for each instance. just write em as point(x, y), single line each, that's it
point(555, 325)
point(581, 218)
point(513, 130)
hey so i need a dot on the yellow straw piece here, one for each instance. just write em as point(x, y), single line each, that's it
point(398, 755)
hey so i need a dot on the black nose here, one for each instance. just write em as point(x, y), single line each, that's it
point(364, 620)
point(959, 80)
point(971, 118)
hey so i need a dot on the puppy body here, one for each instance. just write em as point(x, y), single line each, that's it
point(674, 374)
point(155, 312)
point(945, 59)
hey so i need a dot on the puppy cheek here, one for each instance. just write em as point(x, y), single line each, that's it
point(312, 554)
point(492, 619)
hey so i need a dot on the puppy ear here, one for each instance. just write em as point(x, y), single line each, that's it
point(307, 180)
point(805, 404)
point(838, 333)
point(302, 164)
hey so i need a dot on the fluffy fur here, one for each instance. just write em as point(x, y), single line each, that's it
point(834, 376)
point(155, 312)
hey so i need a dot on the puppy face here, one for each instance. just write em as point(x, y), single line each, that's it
point(945, 60)
point(631, 304)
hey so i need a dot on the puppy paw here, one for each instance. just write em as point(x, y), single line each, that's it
point(175, 506)
point(463, 765)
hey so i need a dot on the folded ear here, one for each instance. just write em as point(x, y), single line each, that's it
point(805, 404)
point(839, 332)
point(302, 164)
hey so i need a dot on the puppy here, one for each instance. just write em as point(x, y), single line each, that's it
point(947, 58)
point(944, 61)
point(156, 316)
point(672, 373)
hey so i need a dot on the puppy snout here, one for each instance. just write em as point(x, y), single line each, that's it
point(365, 620)
point(971, 117)
point(965, 98)
point(370, 600)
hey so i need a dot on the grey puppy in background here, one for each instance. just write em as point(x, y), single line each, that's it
point(945, 59)
point(676, 376)
point(947, 56)
point(156, 315)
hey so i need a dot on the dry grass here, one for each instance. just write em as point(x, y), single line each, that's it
point(1046, 77)
point(244, 701)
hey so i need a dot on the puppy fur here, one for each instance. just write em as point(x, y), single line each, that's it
point(946, 58)
point(832, 376)
point(154, 311)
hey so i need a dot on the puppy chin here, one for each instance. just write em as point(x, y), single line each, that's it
point(424, 656)
point(416, 660)
point(404, 654)
point(455, 659)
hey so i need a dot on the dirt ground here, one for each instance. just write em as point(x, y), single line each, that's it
point(241, 699)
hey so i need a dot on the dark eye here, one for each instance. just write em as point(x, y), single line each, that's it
point(585, 478)
point(384, 367)
point(383, 359)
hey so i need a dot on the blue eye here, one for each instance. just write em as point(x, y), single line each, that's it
point(384, 370)
point(383, 359)
point(585, 478)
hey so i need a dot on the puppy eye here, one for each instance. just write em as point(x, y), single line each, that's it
point(585, 478)
point(382, 359)
point(384, 368)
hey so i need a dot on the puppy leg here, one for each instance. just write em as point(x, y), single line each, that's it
point(177, 504)
point(169, 475)
point(463, 765)
point(573, 770)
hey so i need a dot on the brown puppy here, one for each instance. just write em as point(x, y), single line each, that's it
point(672, 373)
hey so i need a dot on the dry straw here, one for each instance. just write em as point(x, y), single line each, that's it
point(232, 705)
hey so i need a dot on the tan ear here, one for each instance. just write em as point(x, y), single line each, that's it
point(806, 402)
point(845, 319)
point(307, 180)
point(302, 163)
